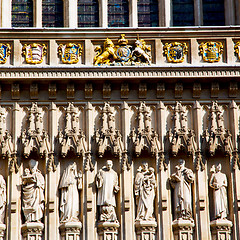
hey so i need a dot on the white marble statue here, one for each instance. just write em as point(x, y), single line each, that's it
point(145, 184)
point(70, 183)
point(218, 182)
point(181, 183)
point(3, 199)
point(33, 193)
point(107, 184)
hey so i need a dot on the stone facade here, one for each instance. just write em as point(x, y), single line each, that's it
point(130, 111)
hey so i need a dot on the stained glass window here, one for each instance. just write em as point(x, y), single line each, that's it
point(213, 13)
point(148, 13)
point(52, 13)
point(183, 12)
point(118, 13)
point(22, 13)
point(88, 13)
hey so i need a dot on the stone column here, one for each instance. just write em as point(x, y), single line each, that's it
point(221, 229)
point(32, 231)
point(108, 230)
point(6, 13)
point(133, 16)
point(145, 230)
point(103, 13)
point(164, 9)
point(183, 229)
point(37, 13)
point(70, 230)
point(70, 13)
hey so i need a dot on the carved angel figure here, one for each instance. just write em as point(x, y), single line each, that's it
point(33, 192)
point(107, 184)
point(70, 182)
point(181, 183)
point(218, 182)
point(145, 185)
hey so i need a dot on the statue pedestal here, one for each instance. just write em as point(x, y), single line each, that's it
point(70, 230)
point(145, 229)
point(108, 230)
point(183, 229)
point(2, 231)
point(32, 231)
point(221, 229)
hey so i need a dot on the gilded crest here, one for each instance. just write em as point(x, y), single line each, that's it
point(175, 52)
point(123, 51)
point(5, 51)
point(34, 52)
point(211, 51)
point(237, 49)
point(70, 52)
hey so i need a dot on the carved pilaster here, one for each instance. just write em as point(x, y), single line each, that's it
point(221, 229)
point(108, 230)
point(32, 231)
point(70, 230)
point(183, 229)
point(145, 230)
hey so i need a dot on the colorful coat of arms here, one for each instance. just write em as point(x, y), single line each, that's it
point(70, 52)
point(34, 52)
point(175, 52)
point(237, 49)
point(123, 51)
point(211, 51)
point(5, 51)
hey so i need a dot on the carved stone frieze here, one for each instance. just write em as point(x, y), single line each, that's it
point(72, 138)
point(35, 138)
point(216, 136)
point(108, 137)
point(144, 137)
point(180, 136)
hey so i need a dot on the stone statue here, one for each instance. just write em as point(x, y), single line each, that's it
point(2, 199)
point(218, 182)
point(181, 183)
point(70, 182)
point(107, 184)
point(145, 184)
point(33, 193)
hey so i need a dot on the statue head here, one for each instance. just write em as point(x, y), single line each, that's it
point(182, 163)
point(145, 166)
point(33, 164)
point(109, 164)
point(219, 167)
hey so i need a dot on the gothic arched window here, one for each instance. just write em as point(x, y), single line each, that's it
point(148, 13)
point(183, 12)
point(213, 13)
point(88, 13)
point(22, 13)
point(118, 13)
point(52, 13)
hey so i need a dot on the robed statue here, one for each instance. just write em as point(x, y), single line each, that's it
point(69, 186)
point(33, 193)
point(181, 182)
point(144, 187)
point(218, 182)
point(3, 198)
point(107, 185)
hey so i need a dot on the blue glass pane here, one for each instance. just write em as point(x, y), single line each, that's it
point(213, 13)
point(22, 13)
point(183, 12)
point(52, 13)
point(88, 13)
point(118, 13)
point(148, 13)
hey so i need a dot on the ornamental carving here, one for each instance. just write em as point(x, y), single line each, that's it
point(211, 51)
point(70, 52)
point(108, 137)
point(175, 52)
point(35, 138)
point(123, 54)
point(180, 136)
point(5, 51)
point(216, 136)
point(144, 137)
point(34, 52)
point(72, 138)
point(237, 49)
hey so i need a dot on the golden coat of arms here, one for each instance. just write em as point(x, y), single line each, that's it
point(70, 52)
point(211, 51)
point(175, 52)
point(34, 52)
point(5, 51)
